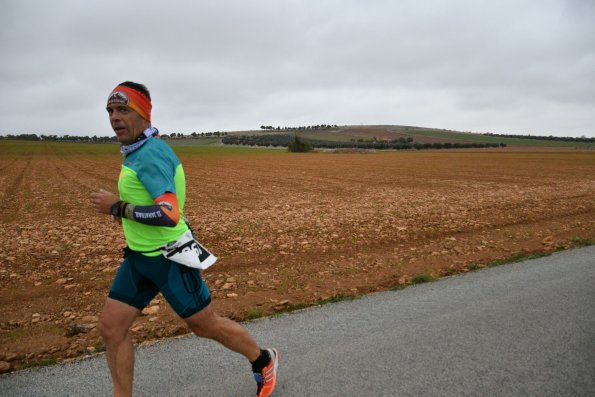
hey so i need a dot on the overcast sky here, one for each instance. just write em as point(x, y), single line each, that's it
point(503, 66)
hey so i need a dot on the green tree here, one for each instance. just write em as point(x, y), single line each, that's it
point(298, 146)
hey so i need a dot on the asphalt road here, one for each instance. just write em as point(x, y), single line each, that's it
point(523, 329)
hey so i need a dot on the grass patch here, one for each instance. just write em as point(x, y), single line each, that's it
point(517, 258)
point(578, 241)
point(295, 306)
point(253, 314)
point(39, 363)
point(421, 278)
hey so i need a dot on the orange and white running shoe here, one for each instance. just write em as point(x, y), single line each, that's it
point(266, 380)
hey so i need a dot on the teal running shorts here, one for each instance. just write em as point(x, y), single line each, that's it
point(141, 277)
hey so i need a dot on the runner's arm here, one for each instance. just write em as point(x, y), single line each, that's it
point(165, 211)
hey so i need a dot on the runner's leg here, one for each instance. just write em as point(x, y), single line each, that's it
point(208, 324)
point(130, 292)
point(116, 319)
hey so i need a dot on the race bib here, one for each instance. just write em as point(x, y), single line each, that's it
point(187, 251)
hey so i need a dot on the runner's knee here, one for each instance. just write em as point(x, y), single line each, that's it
point(116, 319)
point(110, 329)
point(205, 324)
point(204, 330)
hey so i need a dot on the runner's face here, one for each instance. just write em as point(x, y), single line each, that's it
point(126, 123)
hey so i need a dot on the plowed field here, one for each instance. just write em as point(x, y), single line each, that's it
point(289, 229)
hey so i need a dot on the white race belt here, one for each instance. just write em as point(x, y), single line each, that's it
point(189, 252)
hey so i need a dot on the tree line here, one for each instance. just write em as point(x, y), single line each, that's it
point(396, 144)
point(194, 135)
point(302, 128)
point(546, 138)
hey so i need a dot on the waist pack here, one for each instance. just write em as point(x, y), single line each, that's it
point(189, 252)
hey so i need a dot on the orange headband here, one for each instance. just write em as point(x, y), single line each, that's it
point(132, 98)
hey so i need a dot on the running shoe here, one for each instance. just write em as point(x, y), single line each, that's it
point(266, 380)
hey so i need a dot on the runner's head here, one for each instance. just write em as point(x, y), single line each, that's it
point(129, 109)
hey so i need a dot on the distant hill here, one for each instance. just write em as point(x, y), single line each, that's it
point(420, 135)
point(431, 135)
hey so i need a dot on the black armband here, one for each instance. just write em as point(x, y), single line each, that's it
point(147, 214)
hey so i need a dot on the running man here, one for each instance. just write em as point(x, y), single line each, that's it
point(150, 208)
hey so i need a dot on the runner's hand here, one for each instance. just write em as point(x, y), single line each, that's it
point(103, 200)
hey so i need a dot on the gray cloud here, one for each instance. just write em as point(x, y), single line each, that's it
point(511, 67)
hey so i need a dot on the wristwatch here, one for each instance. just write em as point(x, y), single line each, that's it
point(116, 209)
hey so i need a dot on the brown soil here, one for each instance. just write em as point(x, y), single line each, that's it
point(288, 229)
